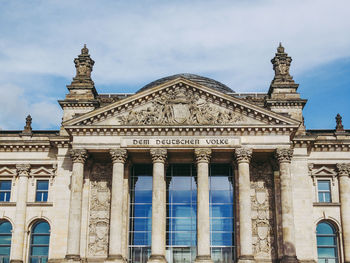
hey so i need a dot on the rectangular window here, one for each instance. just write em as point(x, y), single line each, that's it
point(324, 191)
point(5, 191)
point(42, 190)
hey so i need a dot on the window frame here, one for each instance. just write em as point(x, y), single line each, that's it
point(7, 245)
point(324, 192)
point(335, 235)
point(6, 191)
point(37, 191)
point(32, 234)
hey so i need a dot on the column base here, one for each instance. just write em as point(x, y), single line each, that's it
point(73, 258)
point(203, 259)
point(157, 259)
point(289, 259)
point(16, 261)
point(116, 259)
point(246, 259)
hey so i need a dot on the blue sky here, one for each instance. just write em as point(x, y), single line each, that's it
point(136, 42)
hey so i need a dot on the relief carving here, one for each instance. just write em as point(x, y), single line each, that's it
point(181, 106)
point(262, 211)
point(99, 209)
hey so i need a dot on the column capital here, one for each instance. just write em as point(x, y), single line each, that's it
point(243, 155)
point(158, 155)
point(203, 155)
point(118, 155)
point(343, 169)
point(284, 155)
point(79, 155)
point(23, 169)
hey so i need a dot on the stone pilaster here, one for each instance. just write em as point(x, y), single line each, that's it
point(344, 192)
point(284, 157)
point(116, 222)
point(203, 219)
point(243, 157)
point(23, 171)
point(79, 157)
point(158, 206)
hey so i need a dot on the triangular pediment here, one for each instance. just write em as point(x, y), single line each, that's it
point(180, 102)
point(324, 171)
point(42, 171)
point(6, 171)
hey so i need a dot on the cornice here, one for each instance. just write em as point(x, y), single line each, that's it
point(180, 130)
point(285, 103)
point(79, 104)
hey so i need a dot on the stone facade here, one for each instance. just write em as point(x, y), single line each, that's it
point(277, 166)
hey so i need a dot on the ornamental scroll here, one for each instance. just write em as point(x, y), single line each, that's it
point(99, 209)
point(262, 211)
point(181, 106)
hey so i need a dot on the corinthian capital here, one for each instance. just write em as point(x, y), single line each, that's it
point(243, 155)
point(158, 155)
point(343, 169)
point(202, 155)
point(284, 154)
point(23, 169)
point(78, 155)
point(118, 155)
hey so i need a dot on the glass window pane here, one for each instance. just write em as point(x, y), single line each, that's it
point(324, 228)
point(221, 196)
point(41, 240)
point(222, 224)
point(142, 238)
point(42, 228)
point(142, 210)
point(222, 210)
point(183, 224)
point(5, 250)
point(5, 227)
point(183, 211)
point(221, 239)
point(40, 251)
point(142, 224)
point(42, 185)
point(326, 252)
point(324, 185)
point(220, 183)
point(5, 240)
point(143, 183)
point(5, 185)
point(143, 196)
point(180, 196)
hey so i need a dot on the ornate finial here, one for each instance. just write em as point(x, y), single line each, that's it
point(28, 127)
point(280, 48)
point(84, 50)
point(339, 127)
point(281, 63)
point(84, 65)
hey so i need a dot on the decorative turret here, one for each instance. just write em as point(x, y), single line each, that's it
point(283, 96)
point(82, 93)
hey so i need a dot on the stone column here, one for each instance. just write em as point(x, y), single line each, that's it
point(158, 206)
point(243, 157)
point(284, 157)
point(116, 220)
point(20, 218)
point(344, 192)
point(203, 220)
point(79, 157)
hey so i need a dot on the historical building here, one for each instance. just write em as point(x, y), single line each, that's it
point(184, 170)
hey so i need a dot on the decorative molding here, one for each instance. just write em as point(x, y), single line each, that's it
point(321, 172)
point(158, 155)
point(79, 155)
point(243, 154)
point(100, 195)
point(203, 155)
point(118, 155)
point(284, 155)
point(23, 169)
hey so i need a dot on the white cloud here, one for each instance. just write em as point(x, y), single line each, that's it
point(136, 42)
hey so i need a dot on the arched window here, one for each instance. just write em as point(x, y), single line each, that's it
point(5, 241)
point(39, 242)
point(327, 245)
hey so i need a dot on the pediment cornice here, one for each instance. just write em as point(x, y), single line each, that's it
point(181, 104)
